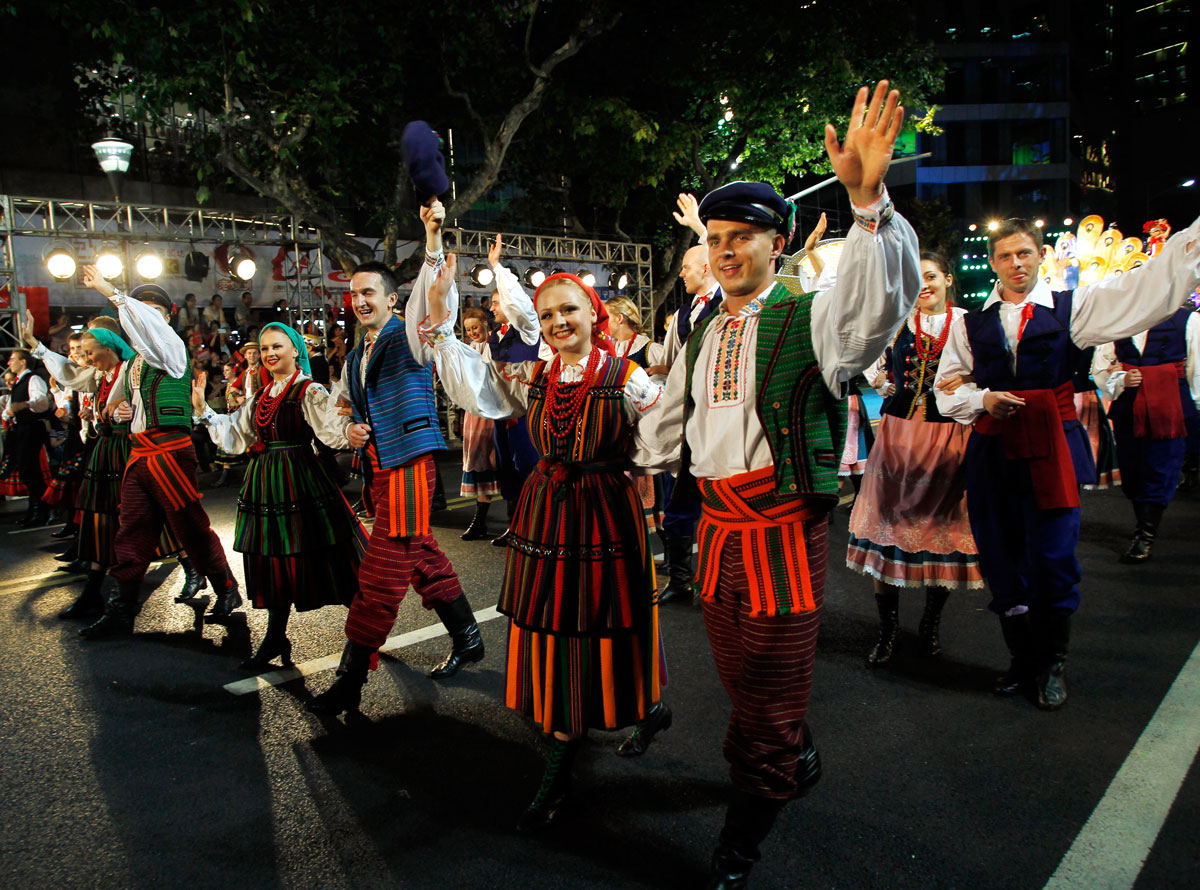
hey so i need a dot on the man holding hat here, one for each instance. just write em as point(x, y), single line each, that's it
point(759, 402)
point(159, 485)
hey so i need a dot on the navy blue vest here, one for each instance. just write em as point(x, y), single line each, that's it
point(398, 402)
point(1166, 343)
point(511, 348)
point(903, 364)
point(683, 317)
point(27, 416)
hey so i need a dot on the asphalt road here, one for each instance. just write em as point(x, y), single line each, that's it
point(127, 764)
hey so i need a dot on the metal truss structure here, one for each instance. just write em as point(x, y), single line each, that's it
point(53, 218)
point(633, 259)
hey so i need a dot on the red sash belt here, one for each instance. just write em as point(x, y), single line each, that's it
point(403, 511)
point(1157, 410)
point(771, 532)
point(1035, 433)
point(157, 448)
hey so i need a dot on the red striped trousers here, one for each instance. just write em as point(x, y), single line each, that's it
point(765, 664)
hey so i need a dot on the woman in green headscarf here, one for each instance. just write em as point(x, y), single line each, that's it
point(301, 544)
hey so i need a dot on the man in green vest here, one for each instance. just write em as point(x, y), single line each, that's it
point(758, 402)
point(159, 485)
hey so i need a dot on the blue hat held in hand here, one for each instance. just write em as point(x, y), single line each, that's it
point(421, 148)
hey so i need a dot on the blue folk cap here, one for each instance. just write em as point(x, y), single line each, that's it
point(752, 202)
point(421, 148)
point(152, 293)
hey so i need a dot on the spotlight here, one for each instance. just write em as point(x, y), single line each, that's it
point(1068, 221)
point(1039, 223)
point(557, 270)
point(588, 278)
point(534, 276)
point(241, 262)
point(149, 265)
point(109, 262)
point(618, 279)
point(482, 275)
point(60, 262)
point(1187, 183)
point(993, 225)
point(972, 227)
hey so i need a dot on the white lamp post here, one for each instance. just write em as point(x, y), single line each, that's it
point(113, 155)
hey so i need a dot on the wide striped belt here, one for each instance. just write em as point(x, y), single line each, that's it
point(157, 448)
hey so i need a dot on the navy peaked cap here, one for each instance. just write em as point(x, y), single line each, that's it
point(152, 293)
point(753, 202)
point(422, 151)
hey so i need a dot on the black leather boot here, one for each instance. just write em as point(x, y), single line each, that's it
point(1052, 679)
point(657, 720)
point(477, 530)
point(808, 770)
point(555, 791)
point(1149, 518)
point(679, 568)
point(346, 692)
point(67, 531)
point(888, 604)
point(502, 539)
point(275, 644)
point(119, 612)
point(748, 821)
point(931, 621)
point(1190, 478)
point(74, 567)
point(90, 603)
point(466, 640)
point(1018, 636)
point(193, 581)
point(226, 598)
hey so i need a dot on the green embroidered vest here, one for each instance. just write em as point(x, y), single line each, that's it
point(804, 423)
point(166, 400)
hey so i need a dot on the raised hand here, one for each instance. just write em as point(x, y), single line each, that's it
point(494, 251)
point(433, 215)
point(199, 390)
point(689, 213)
point(27, 332)
point(439, 290)
point(861, 161)
point(816, 234)
point(93, 279)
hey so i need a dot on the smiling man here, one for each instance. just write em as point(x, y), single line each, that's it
point(759, 401)
point(1028, 453)
point(395, 422)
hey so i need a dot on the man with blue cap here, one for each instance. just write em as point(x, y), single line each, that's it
point(759, 403)
point(159, 484)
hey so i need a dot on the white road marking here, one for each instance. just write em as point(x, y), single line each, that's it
point(1111, 849)
point(37, 528)
point(329, 662)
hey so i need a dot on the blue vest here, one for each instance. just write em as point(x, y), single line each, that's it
point(398, 401)
point(511, 348)
point(903, 364)
point(1047, 359)
point(1165, 343)
point(683, 317)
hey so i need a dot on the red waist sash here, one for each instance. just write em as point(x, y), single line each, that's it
point(1157, 410)
point(1035, 433)
point(157, 448)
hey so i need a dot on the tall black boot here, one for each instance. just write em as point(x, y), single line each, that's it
point(679, 567)
point(193, 581)
point(346, 692)
point(90, 603)
point(477, 530)
point(275, 644)
point(1055, 638)
point(748, 821)
point(71, 553)
point(226, 597)
point(1149, 517)
point(888, 604)
point(555, 790)
point(69, 530)
point(466, 640)
point(119, 612)
point(1018, 636)
point(931, 621)
point(658, 718)
point(1190, 478)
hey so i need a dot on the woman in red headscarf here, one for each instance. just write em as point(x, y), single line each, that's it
point(583, 649)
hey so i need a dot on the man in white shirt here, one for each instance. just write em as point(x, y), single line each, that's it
point(30, 410)
point(1028, 452)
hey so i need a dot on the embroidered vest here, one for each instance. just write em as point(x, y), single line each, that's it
point(166, 400)
point(801, 418)
point(511, 348)
point(397, 401)
point(1165, 343)
point(911, 380)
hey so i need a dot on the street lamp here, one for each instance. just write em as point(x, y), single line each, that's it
point(113, 156)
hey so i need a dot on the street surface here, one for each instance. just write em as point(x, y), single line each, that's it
point(129, 764)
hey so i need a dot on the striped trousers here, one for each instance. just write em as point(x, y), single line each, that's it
point(146, 505)
point(392, 564)
point(765, 664)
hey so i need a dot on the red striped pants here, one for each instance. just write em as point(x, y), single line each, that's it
point(391, 565)
point(765, 664)
point(146, 506)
